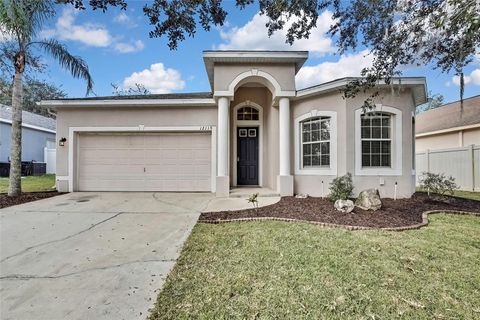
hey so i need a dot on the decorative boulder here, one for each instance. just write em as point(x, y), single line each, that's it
point(346, 206)
point(369, 200)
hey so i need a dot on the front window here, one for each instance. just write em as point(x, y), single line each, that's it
point(315, 142)
point(247, 113)
point(376, 140)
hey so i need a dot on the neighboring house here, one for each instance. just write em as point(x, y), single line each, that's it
point(38, 132)
point(448, 127)
point(448, 142)
point(253, 129)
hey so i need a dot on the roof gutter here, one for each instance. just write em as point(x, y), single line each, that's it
point(127, 103)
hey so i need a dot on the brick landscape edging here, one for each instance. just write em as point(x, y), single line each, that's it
point(333, 225)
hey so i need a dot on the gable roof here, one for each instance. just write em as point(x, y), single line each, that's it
point(210, 57)
point(417, 84)
point(29, 119)
point(449, 116)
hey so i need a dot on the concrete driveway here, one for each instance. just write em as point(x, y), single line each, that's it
point(91, 255)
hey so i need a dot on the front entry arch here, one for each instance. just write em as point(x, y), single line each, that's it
point(252, 120)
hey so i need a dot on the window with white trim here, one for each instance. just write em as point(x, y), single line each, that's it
point(315, 142)
point(378, 141)
point(376, 138)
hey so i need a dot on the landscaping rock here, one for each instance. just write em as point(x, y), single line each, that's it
point(344, 205)
point(369, 200)
point(301, 196)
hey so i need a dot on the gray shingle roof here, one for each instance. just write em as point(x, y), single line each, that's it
point(191, 95)
point(449, 116)
point(29, 118)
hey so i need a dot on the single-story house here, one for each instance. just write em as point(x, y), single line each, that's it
point(38, 133)
point(448, 126)
point(254, 128)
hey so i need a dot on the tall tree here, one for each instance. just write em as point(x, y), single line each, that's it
point(34, 90)
point(22, 19)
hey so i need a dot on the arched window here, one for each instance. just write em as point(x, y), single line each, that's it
point(378, 141)
point(315, 135)
point(247, 113)
point(376, 136)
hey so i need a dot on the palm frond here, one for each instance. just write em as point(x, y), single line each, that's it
point(23, 18)
point(76, 65)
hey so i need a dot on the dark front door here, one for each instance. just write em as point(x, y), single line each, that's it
point(247, 156)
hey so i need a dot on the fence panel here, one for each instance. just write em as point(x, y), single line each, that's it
point(461, 163)
point(50, 157)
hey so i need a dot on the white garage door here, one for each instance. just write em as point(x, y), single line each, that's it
point(144, 162)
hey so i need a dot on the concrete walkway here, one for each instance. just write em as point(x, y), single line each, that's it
point(95, 255)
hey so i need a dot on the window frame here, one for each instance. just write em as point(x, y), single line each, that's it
point(396, 137)
point(380, 139)
point(330, 170)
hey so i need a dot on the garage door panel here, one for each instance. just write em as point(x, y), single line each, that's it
point(144, 162)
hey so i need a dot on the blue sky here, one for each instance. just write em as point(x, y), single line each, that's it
point(118, 50)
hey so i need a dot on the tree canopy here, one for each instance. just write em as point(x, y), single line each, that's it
point(34, 90)
point(443, 34)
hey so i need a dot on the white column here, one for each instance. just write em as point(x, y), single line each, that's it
point(285, 179)
point(284, 127)
point(223, 108)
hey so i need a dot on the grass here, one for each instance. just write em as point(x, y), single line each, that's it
point(275, 270)
point(468, 195)
point(32, 183)
point(462, 194)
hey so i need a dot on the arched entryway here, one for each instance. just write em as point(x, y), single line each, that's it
point(247, 144)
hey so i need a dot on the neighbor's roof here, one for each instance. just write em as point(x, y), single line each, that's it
point(29, 119)
point(449, 116)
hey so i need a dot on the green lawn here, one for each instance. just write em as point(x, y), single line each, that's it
point(462, 194)
point(276, 270)
point(468, 195)
point(32, 183)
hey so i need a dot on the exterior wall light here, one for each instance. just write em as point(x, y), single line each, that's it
point(62, 141)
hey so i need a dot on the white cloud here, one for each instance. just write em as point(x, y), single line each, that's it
point(123, 18)
point(5, 36)
point(157, 79)
point(89, 34)
point(124, 47)
point(347, 66)
point(253, 36)
point(473, 78)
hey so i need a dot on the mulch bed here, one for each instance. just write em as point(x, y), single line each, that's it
point(394, 214)
point(6, 201)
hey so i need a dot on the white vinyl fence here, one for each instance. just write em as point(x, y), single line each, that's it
point(50, 158)
point(461, 163)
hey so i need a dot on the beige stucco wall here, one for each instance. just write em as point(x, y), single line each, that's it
point(312, 184)
point(471, 137)
point(447, 140)
point(226, 73)
point(124, 117)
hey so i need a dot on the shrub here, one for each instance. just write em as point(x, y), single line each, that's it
point(253, 199)
point(437, 185)
point(341, 188)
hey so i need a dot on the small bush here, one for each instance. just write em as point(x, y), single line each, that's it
point(341, 188)
point(437, 185)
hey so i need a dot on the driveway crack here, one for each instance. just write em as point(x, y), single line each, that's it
point(30, 277)
point(61, 239)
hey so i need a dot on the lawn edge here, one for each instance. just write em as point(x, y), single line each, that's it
point(342, 226)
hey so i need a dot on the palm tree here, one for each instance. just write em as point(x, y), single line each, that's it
point(21, 20)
